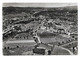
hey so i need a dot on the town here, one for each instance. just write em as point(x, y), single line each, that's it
point(40, 31)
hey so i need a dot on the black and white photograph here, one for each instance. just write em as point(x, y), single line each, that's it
point(40, 29)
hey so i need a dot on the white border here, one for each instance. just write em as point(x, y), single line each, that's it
point(40, 1)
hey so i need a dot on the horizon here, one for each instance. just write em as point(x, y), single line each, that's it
point(38, 4)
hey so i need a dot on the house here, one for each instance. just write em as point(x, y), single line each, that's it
point(61, 31)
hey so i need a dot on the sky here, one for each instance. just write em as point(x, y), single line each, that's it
point(38, 4)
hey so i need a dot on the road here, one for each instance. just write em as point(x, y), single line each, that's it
point(66, 50)
point(20, 41)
